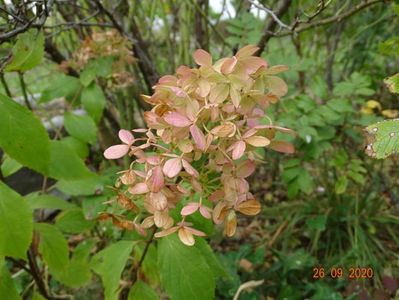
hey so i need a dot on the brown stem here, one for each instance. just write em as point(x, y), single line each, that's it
point(36, 274)
point(20, 264)
point(271, 25)
point(336, 18)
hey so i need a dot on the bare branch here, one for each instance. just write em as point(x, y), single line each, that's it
point(335, 18)
point(268, 31)
point(269, 12)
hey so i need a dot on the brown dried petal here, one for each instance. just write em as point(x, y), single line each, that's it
point(230, 224)
point(250, 207)
point(186, 237)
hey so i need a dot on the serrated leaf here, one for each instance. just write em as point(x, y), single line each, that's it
point(78, 271)
point(81, 127)
point(101, 66)
point(149, 266)
point(210, 257)
point(184, 272)
point(142, 291)
point(85, 186)
point(53, 246)
point(81, 148)
point(73, 221)
point(27, 52)
point(8, 289)
point(93, 101)
point(61, 86)
point(16, 223)
point(22, 136)
point(65, 163)
point(36, 201)
point(109, 264)
point(383, 139)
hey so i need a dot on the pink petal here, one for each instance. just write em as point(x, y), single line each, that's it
point(195, 231)
point(176, 119)
point(178, 91)
point(198, 137)
point(204, 211)
point(156, 181)
point(153, 120)
point(228, 65)
point(140, 188)
point(172, 167)
point(117, 151)
point(247, 51)
point(166, 232)
point(282, 146)
point(189, 209)
point(238, 150)
point(126, 136)
point(252, 63)
point(202, 57)
point(216, 195)
point(245, 168)
point(189, 168)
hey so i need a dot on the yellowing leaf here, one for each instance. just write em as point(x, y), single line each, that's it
point(390, 113)
point(258, 141)
point(276, 85)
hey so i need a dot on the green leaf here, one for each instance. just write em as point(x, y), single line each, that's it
point(393, 83)
point(27, 52)
point(78, 271)
point(299, 260)
point(317, 223)
point(86, 186)
point(93, 101)
point(101, 66)
point(7, 287)
point(383, 139)
point(81, 148)
point(73, 221)
point(16, 223)
point(36, 201)
point(37, 296)
point(109, 264)
point(92, 206)
point(341, 185)
point(53, 246)
point(305, 182)
point(22, 136)
point(184, 272)
point(10, 166)
point(210, 257)
point(149, 266)
point(61, 86)
point(142, 291)
point(81, 127)
point(65, 163)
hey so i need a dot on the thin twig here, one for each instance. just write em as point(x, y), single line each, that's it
point(23, 88)
point(269, 12)
point(5, 85)
point(36, 274)
point(336, 18)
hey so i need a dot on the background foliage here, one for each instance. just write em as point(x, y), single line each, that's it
point(72, 73)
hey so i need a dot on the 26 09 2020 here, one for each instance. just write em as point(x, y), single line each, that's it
point(340, 272)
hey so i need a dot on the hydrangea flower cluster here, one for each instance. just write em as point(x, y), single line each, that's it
point(203, 132)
